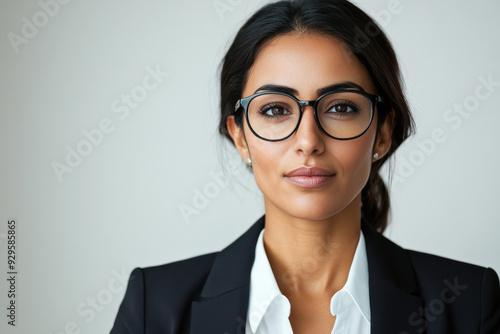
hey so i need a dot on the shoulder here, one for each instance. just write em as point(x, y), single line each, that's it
point(160, 297)
point(454, 296)
point(166, 292)
point(437, 273)
point(426, 267)
point(443, 274)
point(438, 265)
point(458, 289)
point(186, 272)
point(176, 282)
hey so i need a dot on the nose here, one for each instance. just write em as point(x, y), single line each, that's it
point(309, 139)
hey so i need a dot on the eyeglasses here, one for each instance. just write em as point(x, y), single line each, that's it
point(341, 114)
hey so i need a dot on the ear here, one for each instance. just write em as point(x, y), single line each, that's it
point(237, 134)
point(383, 140)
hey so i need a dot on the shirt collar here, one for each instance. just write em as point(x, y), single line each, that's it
point(264, 288)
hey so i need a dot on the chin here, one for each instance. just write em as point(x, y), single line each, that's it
point(317, 208)
point(316, 214)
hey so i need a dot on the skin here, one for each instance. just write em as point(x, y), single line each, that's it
point(311, 234)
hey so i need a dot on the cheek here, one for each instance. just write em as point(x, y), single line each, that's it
point(355, 159)
point(265, 158)
point(268, 160)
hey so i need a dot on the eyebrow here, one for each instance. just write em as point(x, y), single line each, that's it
point(319, 92)
point(277, 88)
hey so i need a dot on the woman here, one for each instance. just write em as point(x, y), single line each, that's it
point(311, 98)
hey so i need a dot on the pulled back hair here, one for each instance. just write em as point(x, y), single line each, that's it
point(361, 37)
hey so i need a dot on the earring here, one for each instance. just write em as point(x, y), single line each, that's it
point(375, 156)
point(249, 162)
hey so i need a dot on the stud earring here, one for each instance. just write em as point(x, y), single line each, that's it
point(375, 156)
point(249, 162)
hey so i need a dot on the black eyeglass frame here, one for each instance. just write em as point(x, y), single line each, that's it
point(244, 102)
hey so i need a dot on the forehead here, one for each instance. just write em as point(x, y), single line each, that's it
point(306, 62)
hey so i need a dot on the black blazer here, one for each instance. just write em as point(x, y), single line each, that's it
point(410, 292)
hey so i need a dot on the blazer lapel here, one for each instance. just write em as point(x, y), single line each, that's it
point(223, 305)
point(394, 301)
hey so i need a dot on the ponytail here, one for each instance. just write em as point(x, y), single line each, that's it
point(375, 201)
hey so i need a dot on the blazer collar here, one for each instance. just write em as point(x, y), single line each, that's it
point(394, 299)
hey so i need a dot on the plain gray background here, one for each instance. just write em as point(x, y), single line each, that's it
point(150, 191)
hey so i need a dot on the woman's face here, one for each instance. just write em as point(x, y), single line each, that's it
point(307, 63)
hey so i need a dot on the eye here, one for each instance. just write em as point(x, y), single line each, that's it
point(274, 109)
point(342, 108)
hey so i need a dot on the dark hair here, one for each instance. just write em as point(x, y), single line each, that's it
point(361, 37)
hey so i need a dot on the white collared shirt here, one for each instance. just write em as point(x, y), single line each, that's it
point(269, 309)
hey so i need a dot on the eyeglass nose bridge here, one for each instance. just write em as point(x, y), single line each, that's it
point(303, 104)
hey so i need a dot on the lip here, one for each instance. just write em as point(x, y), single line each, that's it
point(309, 177)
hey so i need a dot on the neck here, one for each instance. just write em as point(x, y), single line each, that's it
point(312, 257)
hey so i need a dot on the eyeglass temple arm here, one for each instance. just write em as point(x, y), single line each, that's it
point(237, 105)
